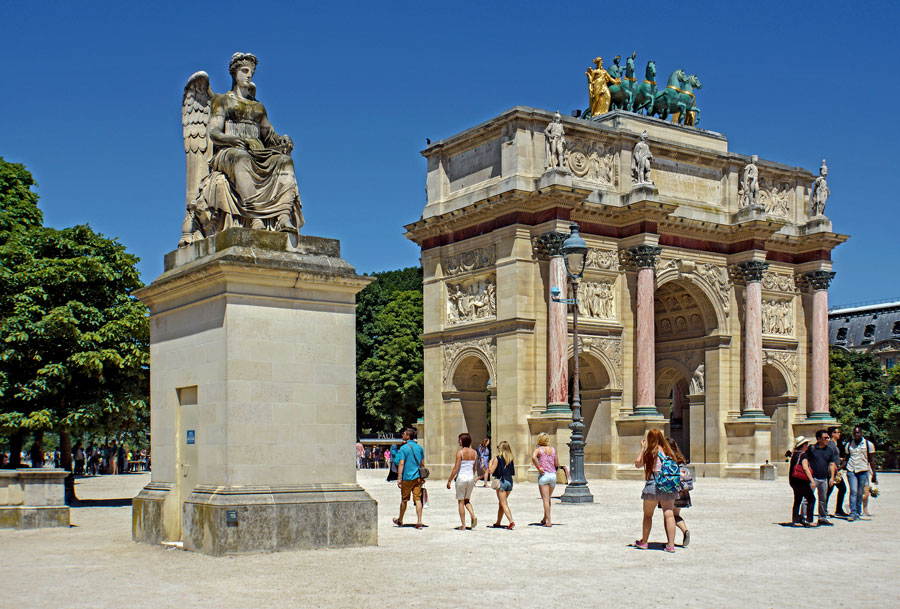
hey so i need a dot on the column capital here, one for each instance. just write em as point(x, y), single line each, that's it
point(819, 280)
point(549, 244)
point(753, 270)
point(644, 256)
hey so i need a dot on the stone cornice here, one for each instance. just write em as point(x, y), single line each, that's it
point(495, 328)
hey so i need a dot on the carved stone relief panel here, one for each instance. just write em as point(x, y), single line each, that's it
point(779, 282)
point(472, 299)
point(787, 359)
point(596, 299)
point(778, 317)
point(486, 345)
point(607, 260)
point(776, 198)
point(593, 161)
point(469, 261)
point(611, 347)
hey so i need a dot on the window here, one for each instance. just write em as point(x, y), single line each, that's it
point(842, 334)
point(896, 329)
point(889, 363)
point(870, 331)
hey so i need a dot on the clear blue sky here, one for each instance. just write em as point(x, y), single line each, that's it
point(92, 94)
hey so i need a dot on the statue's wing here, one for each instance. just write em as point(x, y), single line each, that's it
point(195, 111)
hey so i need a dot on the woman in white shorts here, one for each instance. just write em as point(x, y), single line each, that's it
point(546, 462)
point(464, 474)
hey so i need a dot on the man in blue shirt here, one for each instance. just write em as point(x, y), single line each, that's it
point(411, 458)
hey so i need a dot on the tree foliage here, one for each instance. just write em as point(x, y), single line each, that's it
point(860, 394)
point(389, 385)
point(74, 342)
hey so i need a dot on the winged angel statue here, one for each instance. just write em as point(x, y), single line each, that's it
point(239, 170)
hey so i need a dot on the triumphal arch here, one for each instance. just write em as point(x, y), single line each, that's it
point(702, 309)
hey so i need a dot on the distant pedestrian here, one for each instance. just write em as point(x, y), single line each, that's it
point(503, 469)
point(360, 454)
point(661, 487)
point(392, 472)
point(823, 461)
point(411, 459)
point(684, 494)
point(484, 456)
point(839, 483)
point(800, 478)
point(464, 475)
point(545, 461)
point(859, 464)
point(79, 459)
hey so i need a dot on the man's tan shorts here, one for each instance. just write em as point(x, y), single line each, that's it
point(413, 487)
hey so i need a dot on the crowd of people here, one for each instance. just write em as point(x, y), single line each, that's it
point(817, 469)
point(828, 464)
point(110, 458)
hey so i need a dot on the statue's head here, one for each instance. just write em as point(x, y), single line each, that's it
point(753, 159)
point(242, 67)
point(616, 59)
point(598, 61)
point(644, 136)
point(823, 170)
point(557, 118)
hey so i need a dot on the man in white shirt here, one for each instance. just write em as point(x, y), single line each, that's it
point(859, 463)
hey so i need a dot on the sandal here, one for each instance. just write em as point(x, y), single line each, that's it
point(397, 522)
point(420, 526)
point(474, 522)
point(460, 529)
point(511, 526)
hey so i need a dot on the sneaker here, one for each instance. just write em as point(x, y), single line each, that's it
point(670, 549)
point(640, 544)
point(825, 523)
point(425, 507)
point(841, 514)
point(854, 517)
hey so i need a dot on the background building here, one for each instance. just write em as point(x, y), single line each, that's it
point(872, 328)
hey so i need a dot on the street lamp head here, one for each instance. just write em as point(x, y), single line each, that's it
point(575, 251)
point(555, 292)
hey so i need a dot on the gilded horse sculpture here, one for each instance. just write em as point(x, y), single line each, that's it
point(239, 170)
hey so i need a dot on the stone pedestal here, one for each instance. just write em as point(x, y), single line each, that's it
point(252, 347)
point(749, 446)
point(33, 498)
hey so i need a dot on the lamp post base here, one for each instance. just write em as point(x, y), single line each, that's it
point(577, 493)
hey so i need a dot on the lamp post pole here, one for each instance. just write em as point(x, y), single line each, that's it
point(577, 490)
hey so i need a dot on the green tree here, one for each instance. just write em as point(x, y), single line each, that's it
point(390, 381)
point(74, 342)
point(858, 395)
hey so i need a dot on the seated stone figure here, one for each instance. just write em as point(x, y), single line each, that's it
point(239, 170)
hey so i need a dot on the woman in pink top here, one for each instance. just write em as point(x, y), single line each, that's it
point(544, 459)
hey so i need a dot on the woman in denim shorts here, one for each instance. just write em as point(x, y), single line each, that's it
point(653, 448)
point(502, 468)
point(544, 459)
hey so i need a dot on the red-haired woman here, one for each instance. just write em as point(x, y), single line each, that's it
point(654, 449)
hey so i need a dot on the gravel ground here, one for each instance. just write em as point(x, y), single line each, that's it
point(739, 556)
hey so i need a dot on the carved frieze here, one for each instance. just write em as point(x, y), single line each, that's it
point(471, 260)
point(716, 275)
point(698, 380)
point(778, 317)
point(596, 299)
point(486, 345)
point(472, 300)
point(593, 161)
point(787, 359)
point(779, 282)
point(611, 347)
point(607, 260)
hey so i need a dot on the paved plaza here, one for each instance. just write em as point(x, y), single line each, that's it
point(739, 556)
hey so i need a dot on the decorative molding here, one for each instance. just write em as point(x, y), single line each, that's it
point(644, 256)
point(788, 361)
point(698, 380)
point(472, 300)
point(753, 270)
point(776, 198)
point(819, 280)
point(716, 276)
point(453, 353)
point(469, 261)
point(778, 317)
point(549, 244)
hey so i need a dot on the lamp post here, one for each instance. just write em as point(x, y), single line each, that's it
point(574, 250)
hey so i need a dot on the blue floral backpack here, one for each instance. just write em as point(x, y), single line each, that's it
point(668, 480)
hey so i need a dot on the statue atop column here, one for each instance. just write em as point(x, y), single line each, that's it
point(819, 194)
point(640, 162)
point(748, 190)
point(239, 169)
point(555, 147)
point(598, 88)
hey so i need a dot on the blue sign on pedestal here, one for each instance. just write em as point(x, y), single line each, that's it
point(190, 436)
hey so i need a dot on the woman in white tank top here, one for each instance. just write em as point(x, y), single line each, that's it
point(464, 474)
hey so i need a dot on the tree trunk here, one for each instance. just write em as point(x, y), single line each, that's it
point(16, 440)
point(65, 450)
point(37, 450)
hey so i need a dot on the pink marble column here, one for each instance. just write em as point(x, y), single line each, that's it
point(819, 280)
point(558, 331)
point(753, 271)
point(645, 258)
